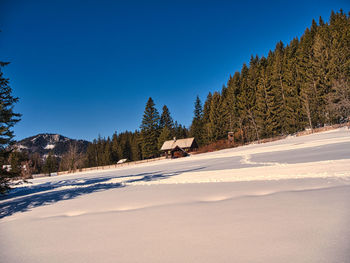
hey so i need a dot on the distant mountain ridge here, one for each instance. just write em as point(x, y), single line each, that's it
point(45, 142)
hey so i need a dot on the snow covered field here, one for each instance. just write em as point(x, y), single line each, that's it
point(285, 201)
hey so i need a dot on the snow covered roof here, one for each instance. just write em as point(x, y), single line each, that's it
point(121, 161)
point(182, 143)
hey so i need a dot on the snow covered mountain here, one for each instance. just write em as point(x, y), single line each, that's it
point(45, 142)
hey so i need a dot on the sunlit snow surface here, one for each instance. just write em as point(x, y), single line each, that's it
point(285, 201)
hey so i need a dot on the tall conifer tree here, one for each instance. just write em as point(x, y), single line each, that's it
point(197, 126)
point(165, 119)
point(8, 118)
point(150, 130)
point(51, 164)
point(165, 135)
point(206, 113)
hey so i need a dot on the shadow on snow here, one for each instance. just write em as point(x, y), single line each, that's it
point(33, 196)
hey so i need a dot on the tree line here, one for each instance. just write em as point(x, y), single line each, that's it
point(141, 144)
point(132, 146)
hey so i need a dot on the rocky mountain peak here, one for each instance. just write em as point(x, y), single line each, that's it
point(45, 142)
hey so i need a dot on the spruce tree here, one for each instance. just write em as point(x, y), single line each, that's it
point(252, 84)
point(307, 93)
point(164, 136)
point(91, 155)
point(217, 125)
point(127, 154)
point(180, 132)
point(37, 163)
point(197, 126)
point(15, 161)
point(8, 118)
point(107, 152)
point(262, 99)
point(165, 119)
point(51, 164)
point(293, 103)
point(150, 130)
point(278, 88)
point(115, 146)
point(246, 104)
point(136, 147)
point(233, 118)
point(206, 113)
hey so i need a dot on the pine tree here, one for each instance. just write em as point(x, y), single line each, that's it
point(136, 146)
point(115, 146)
point(150, 130)
point(246, 104)
point(294, 120)
point(180, 131)
point(339, 64)
point(197, 126)
point(278, 88)
point(206, 113)
point(217, 124)
point(339, 29)
point(233, 87)
point(90, 155)
point(37, 163)
point(164, 136)
point(127, 154)
point(308, 93)
point(107, 152)
point(7, 120)
point(165, 119)
point(15, 162)
point(251, 105)
point(321, 71)
point(263, 100)
point(51, 164)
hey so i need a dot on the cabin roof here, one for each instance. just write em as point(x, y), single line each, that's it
point(182, 143)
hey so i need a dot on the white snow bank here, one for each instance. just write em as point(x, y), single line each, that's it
point(338, 169)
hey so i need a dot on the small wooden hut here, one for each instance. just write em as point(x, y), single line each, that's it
point(179, 148)
point(231, 137)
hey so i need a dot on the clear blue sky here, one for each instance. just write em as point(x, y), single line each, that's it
point(83, 68)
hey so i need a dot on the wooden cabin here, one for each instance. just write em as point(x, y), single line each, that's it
point(231, 137)
point(179, 148)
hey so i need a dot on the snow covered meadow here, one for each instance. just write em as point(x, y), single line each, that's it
point(284, 201)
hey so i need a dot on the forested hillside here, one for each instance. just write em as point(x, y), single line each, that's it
point(304, 84)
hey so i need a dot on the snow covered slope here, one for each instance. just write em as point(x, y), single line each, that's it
point(45, 142)
point(285, 201)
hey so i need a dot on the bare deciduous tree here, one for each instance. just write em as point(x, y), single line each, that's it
point(72, 160)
